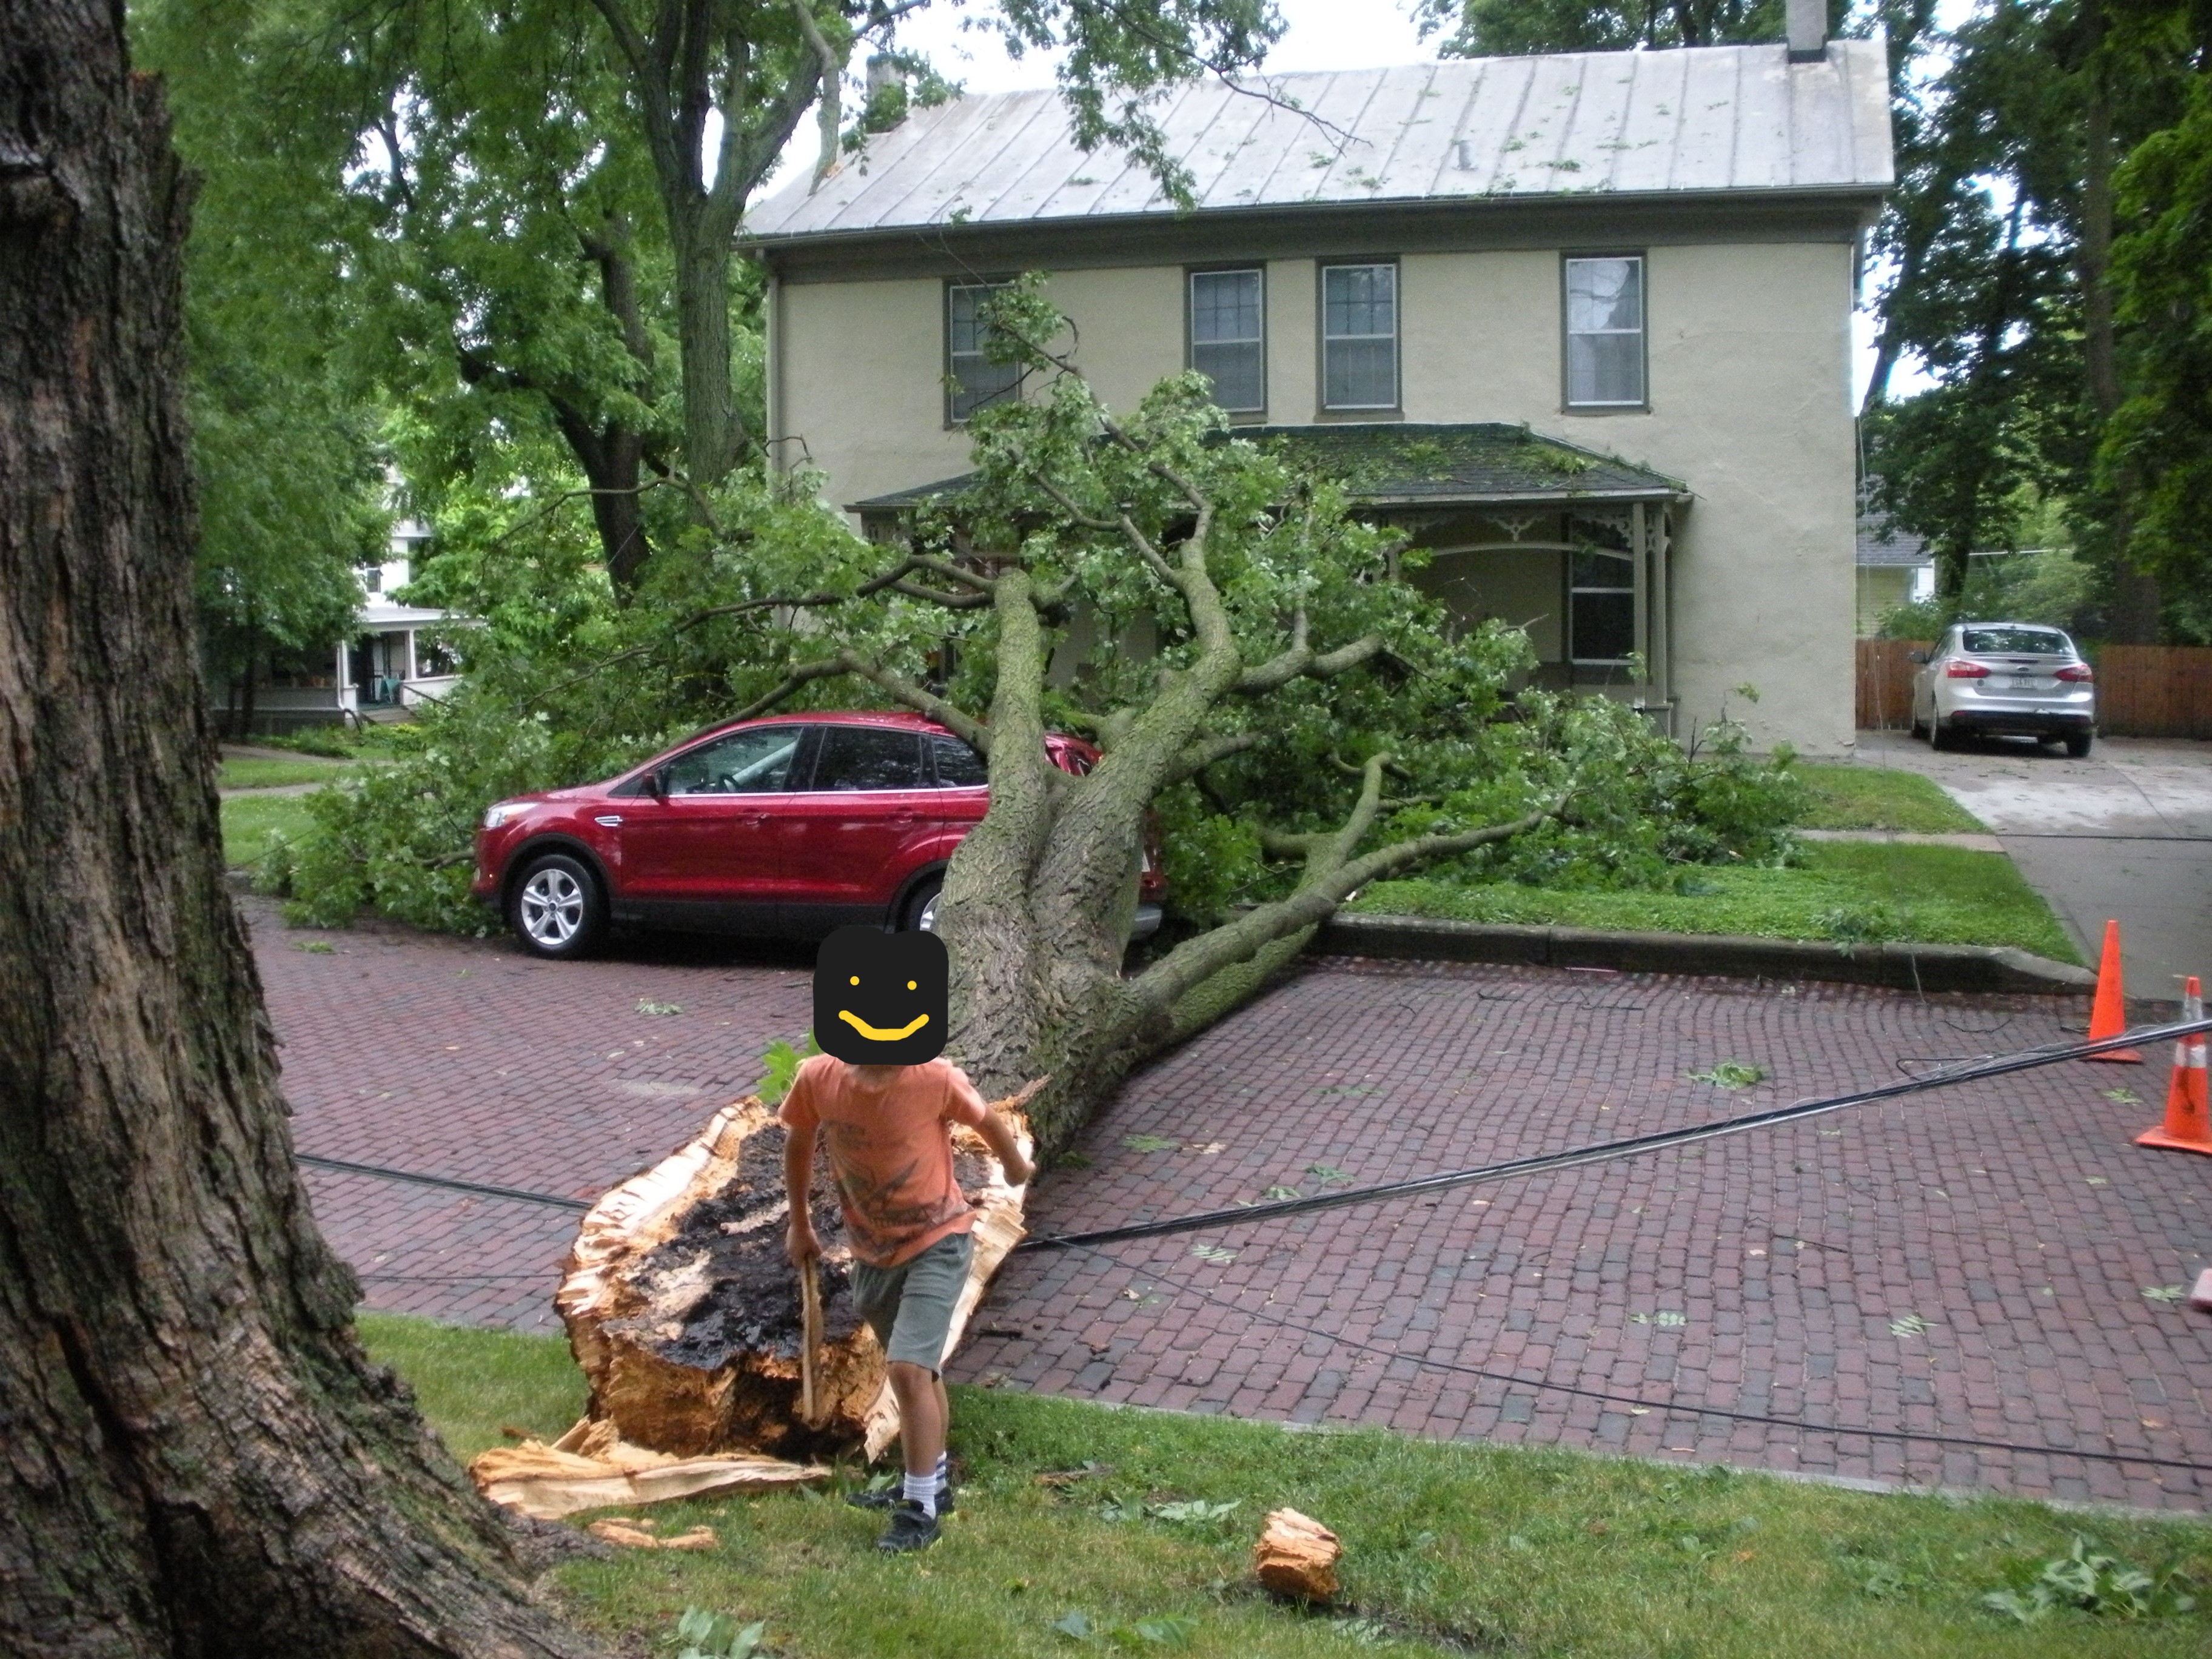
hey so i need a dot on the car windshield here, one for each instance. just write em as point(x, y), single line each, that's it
point(2014, 641)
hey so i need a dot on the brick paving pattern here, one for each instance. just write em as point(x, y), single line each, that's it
point(1969, 1262)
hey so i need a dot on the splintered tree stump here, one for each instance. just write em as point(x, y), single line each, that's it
point(686, 1315)
point(1297, 1556)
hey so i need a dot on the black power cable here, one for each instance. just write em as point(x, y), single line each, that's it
point(513, 1195)
point(1606, 1151)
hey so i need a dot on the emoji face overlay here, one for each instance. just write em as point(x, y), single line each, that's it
point(881, 999)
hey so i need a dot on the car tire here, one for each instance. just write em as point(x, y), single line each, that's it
point(1940, 736)
point(555, 910)
point(1919, 725)
point(2077, 744)
point(919, 915)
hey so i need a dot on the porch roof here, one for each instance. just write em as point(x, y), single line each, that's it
point(1409, 464)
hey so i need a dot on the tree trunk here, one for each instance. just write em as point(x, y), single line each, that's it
point(202, 1459)
point(703, 314)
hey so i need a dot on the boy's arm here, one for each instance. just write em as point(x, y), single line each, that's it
point(800, 1243)
point(998, 1135)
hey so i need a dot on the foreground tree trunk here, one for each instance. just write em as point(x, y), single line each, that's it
point(201, 1459)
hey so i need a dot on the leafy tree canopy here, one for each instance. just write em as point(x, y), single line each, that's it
point(292, 490)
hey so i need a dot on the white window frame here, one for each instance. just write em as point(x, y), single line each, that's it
point(1397, 331)
point(1575, 590)
point(1569, 332)
point(1191, 342)
point(956, 388)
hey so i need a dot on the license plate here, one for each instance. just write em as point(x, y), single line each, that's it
point(2018, 684)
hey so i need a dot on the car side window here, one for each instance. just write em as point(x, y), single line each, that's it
point(750, 763)
point(958, 767)
point(867, 757)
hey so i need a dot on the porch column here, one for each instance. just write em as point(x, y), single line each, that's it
point(1639, 565)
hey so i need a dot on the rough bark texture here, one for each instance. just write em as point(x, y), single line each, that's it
point(200, 1458)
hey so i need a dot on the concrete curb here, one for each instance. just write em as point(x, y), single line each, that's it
point(1928, 967)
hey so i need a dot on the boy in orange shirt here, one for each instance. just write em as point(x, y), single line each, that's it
point(886, 1098)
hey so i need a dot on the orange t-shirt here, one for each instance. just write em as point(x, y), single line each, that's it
point(890, 1149)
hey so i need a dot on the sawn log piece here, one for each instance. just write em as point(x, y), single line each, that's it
point(1297, 1556)
point(685, 1314)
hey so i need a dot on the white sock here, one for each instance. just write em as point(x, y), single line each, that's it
point(944, 1472)
point(922, 1489)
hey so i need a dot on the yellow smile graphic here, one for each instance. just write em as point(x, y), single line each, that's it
point(877, 1033)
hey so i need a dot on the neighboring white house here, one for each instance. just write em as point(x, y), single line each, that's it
point(1579, 323)
point(390, 663)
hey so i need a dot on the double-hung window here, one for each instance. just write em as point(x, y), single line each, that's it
point(1359, 336)
point(975, 380)
point(1605, 333)
point(1600, 605)
point(1228, 337)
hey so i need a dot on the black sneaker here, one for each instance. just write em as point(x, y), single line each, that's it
point(913, 1527)
point(891, 1495)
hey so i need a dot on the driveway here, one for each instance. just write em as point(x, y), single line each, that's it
point(2125, 834)
point(1969, 1262)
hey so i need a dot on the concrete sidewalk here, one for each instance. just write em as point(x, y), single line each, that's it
point(2125, 834)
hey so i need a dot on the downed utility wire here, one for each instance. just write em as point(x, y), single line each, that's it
point(1544, 1385)
point(1606, 1151)
point(516, 1195)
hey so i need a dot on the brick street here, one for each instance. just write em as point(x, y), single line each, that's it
point(1966, 1263)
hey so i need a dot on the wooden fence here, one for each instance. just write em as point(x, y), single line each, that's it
point(2155, 690)
point(1885, 692)
point(2143, 690)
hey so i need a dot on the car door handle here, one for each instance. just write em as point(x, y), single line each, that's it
point(612, 820)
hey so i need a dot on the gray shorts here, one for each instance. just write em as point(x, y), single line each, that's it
point(909, 1307)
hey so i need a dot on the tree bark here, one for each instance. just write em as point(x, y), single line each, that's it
point(201, 1459)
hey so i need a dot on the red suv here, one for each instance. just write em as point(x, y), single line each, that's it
point(789, 826)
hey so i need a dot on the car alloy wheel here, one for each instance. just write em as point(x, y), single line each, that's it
point(922, 909)
point(556, 910)
point(552, 906)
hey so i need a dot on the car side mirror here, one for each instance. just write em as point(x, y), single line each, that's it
point(656, 781)
point(1917, 656)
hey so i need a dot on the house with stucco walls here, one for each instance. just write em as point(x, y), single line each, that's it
point(1578, 324)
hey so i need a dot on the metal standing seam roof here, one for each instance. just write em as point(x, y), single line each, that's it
point(1711, 119)
point(1415, 464)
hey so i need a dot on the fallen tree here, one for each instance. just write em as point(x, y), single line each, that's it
point(1253, 669)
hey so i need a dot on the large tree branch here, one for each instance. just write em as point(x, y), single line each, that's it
point(1199, 756)
point(1330, 875)
point(1301, 660)
point(899, 689)
point(827, 114)
point(949, 601)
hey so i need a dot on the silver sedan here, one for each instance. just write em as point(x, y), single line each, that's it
point(2001, 678)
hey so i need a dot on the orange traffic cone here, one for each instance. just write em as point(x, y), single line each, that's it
point(2188, 1126)
point(2108, 1015)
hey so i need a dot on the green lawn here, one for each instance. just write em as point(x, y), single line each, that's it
point(248, 821)
point(275, 774)
point(1449, 1548)
point(1845, 891)
point(1881, 798)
